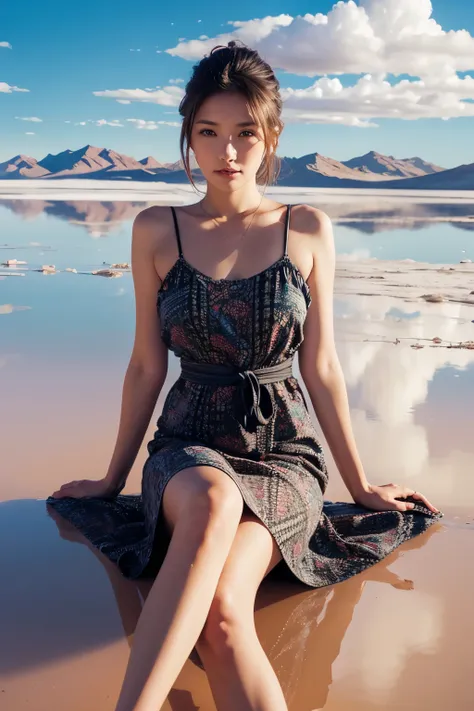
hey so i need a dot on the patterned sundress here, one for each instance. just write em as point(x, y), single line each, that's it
point(278, 467)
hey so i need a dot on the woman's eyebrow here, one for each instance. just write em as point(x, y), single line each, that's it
point(213, 123)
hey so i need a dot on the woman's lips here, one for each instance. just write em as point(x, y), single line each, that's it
point(228, 173)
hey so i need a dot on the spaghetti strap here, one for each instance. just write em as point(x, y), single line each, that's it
point(177, 230)
point(287, 225)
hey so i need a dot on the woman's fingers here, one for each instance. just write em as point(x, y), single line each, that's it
point(425, 501)
point(66, 490)
point(404, 505)
point(404, 493)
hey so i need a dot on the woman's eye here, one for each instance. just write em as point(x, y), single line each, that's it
point(205, 130)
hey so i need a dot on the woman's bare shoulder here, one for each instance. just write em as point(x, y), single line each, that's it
point(154, 217)
point(310, 220)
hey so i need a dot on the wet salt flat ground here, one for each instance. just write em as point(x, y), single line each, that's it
point(67, 616)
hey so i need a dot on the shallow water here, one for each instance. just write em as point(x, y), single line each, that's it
point(67, 616)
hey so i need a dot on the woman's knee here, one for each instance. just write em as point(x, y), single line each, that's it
point(202, 498)
point(230, 617)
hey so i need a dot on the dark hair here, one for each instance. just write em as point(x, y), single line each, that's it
point(236, 69)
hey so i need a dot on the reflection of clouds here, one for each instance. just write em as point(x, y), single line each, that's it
point(415, 627)
point(355, 254)
point(120, 292)
point(391, 450)
point(10, 308)
point(394, 379)
point(389, 381)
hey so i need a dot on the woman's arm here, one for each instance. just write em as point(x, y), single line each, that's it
point(148, 365)
point(318, 361)
point(146, 371)
point(322, 374)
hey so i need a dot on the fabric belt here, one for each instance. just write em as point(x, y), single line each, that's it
point(256, 401)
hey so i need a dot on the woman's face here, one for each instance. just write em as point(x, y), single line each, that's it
point(219, 142)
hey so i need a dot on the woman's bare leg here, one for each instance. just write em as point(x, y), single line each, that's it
point(203, 507)
point(239, 672)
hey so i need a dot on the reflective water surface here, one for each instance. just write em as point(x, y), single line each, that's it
point(396, 636)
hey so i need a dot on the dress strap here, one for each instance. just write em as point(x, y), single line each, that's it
point(178, 238)
point(287, 226)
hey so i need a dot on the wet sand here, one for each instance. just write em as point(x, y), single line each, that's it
point(397, 636)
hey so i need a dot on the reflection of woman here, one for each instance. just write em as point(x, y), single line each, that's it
point(309, 627)
point(235, 477)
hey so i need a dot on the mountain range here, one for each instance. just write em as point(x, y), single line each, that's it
point(372, 170)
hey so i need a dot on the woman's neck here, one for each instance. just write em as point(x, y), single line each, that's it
point(231, 204)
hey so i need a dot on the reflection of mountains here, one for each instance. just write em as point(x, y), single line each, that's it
point(368, 215)
point(380, 215)
point(97, 217)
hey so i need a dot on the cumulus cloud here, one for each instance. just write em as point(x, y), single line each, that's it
point(176, 81)
point(7, 45)
point(7, 89)
point(328, 101)
point(34, 119)
point(375, 38)
point(167, 96)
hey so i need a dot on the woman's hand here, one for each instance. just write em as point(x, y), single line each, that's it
point(386, 498)
point(87, 487)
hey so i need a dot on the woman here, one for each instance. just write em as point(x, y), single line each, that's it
point(235, 477)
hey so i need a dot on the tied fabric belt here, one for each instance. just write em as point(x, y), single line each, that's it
point(256, 401)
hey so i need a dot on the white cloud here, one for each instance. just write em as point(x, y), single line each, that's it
point(396, 36)
point(176, 81)
point(374, 38)
point(135, 50)
point(251, 31)
point(115, 123)
point(328, 101)
point(30, 133)
point(168, 96)
point(34, 119)
point(123, 101)
point(6, 44)
point(151, 125)
point(7, 89)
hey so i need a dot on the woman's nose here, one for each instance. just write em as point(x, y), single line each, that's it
point(229, 151)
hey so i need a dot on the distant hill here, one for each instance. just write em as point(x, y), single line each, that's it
point(381, 165)
point(21, 166)
point(460, 178)
point(372, 169)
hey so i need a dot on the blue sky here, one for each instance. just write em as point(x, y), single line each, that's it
point(62, 53)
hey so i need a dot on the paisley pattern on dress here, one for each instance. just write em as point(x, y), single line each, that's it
point(279, 468)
